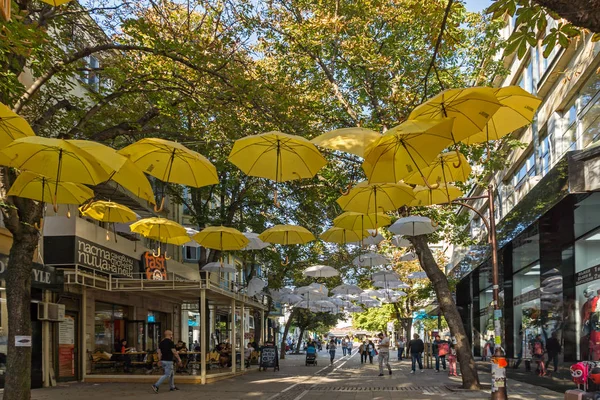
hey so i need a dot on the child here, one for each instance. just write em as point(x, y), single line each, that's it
point(452, 362)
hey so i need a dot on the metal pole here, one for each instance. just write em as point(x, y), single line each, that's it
point(233, 338)
point(242, 335)
point(203, 328)
point(499, 391)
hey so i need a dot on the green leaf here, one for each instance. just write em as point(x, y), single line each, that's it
point(549, 47)
point(522, 49)
point(563, 40)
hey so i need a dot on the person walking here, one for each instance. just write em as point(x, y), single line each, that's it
point(344, 346)
point(553, 349)
point(349, 345)
point(440, 350)
point(371, 351)
point(452, 361)
point(538, 354)
point(400, 345)
point(166, 353)
point(332, 346)
point(384, 353)
point(416, 348)
point(362, 351)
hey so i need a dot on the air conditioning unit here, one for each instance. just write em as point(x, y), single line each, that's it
point(51, 312)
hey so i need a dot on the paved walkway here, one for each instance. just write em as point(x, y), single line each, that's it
point(347, 379)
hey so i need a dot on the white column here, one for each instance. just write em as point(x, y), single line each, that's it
point(232, 339)
point(203, 349)
point(243, 335)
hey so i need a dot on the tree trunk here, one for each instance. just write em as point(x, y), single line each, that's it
point(288, 324)
point(439, 280)
point(300, 340)
point(582, 13)
point(18, 301)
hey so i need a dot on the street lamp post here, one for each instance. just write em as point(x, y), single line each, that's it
point(499, 391)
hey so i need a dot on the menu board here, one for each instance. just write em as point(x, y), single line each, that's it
point(269, 358)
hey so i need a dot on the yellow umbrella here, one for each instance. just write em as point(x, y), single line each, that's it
point(356, 221)
point(349, 140)
point(37, 187)
point(376, 197)
point(343, 236)
point(518, 109)
point(120, 169)
point(286, 235)
point(56, 3)
point(108, 211)
point(471, 109)
point(162, 230)
point(12, 126)
point(447, 167)
point(171, 162)
point(406, 148)
point(445, 193)
point(221, 238)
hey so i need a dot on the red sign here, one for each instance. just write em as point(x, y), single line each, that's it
point(155, 267)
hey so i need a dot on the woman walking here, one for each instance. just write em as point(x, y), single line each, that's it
point(332, 346)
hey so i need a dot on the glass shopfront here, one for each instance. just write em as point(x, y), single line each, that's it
point(109, 326)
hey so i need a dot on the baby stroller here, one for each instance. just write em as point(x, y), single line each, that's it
point(311, 355)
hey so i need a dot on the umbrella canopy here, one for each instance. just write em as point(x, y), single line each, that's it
point(336, 300)
point(385, 276)
point(368, 302)
point(372, 293)
point(446, 167)
point(413, 226)
point(320, 271)
point(55, 158)
point(161, 229)
point(277, 156)
point(407, 148)
point(347, 289)
point(348, 140)
point(219, 267)
point(471, 109)
point(221, 238)
point(256, 285)
point(120, 169)
point(171, 162)
point(444, 193)
point(343, 236)
point(356, 221)
point(12, 126)
point(311, 290)
point(417, 275)
point(319, 287)
point(354, 309)
point(518, 109)
point(56, 3)
point(287, 234)
point(371, 198)
point(399, 241)
point(254, 242)
point(108, 211)
point(372, 239)
point(410, 256)
point(30, 185)
point(290, 298)
point(370, 260)
point(392, 284)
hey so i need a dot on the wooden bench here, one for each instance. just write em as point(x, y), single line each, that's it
point(101, 364)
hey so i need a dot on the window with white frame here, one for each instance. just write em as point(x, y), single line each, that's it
point(527, 80)
point(526, 170)
point(546, 153)
point(90, 73)
point(191, 253)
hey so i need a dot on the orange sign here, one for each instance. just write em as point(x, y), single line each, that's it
point(155, 267)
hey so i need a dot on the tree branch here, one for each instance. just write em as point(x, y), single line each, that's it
point(581, 13)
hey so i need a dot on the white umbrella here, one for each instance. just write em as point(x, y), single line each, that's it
point(324, 304)
point(370, 240)
point(276, 294)
point(336, 300)
point(347, 289)
point(370, 303)
point(385, 276)
point(399, 241)
point(371, 293)
point(254, 242)
point(355, 309)
point(290, 298)
point(370, 260)
point(417, 275)
point(412, 226)
point(315, 296)
point(394, 284)
point(256, 285)
point(191, 232)
point(218, 267)
point(320, 271)
point(319, 287)
point(410, 256)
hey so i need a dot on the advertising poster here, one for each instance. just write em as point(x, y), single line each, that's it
point(66, 347)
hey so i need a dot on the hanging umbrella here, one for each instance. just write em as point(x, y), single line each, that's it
point(407, 148)
point(370, 303)
point(286, 235)
point(372, 293)
point(321, 271)
point(30, 185)
point(221, 238)
point(54, 158)
point(290, 298)
point(417, 275)
point(162, 230)
point(392, 284)
point(399, 241)
point(108, 211)
point(319, 287)
point(413, 226)
point(370, 198)
point(336, 301)
point(471, 109)
point(56, 3)
point(254, 242)
point(347, 289)
point(277, 294)
point(219, 267)
point(518, 109)
point(348, 140)
point(12, 126)
point(372, 239)
point(343, 236)
point(119, 168)
point(355, 309)
point(356, 221)
point(447, 167)
point(442, 194)
point(385, 276)
point(256, 285)
point(370, 260)
point(410, 256)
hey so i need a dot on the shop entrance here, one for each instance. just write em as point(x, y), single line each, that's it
point(66, 357)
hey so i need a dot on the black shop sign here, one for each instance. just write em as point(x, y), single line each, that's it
point(587, 275)
point(42, 277)
point(525, 297)
point(269, 357)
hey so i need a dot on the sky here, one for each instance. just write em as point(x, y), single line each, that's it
point(477, 5)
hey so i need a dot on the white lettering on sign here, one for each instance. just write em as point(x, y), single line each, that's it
point(104, 259)
point(41, 276)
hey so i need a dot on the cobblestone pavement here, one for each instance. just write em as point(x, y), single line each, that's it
point(346, 379)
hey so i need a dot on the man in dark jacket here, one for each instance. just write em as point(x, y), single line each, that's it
point(553, 349)
point(416, 348)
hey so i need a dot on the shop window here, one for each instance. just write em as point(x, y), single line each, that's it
point(587, 251)
point(587, 215)
point(590, 122)
point(191, 253)
point(526, 249)
point(526, 307)
point(546, 154)
point(109, 326)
